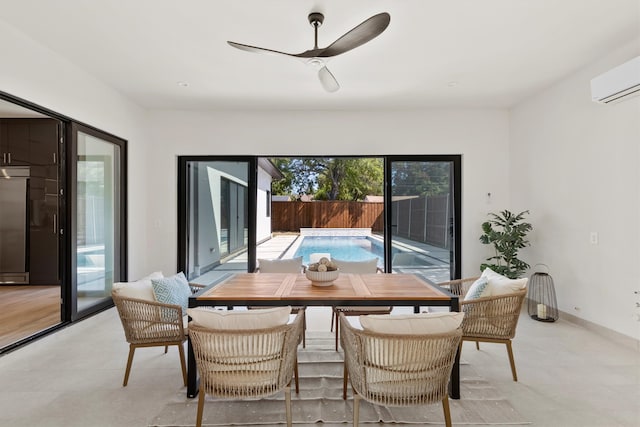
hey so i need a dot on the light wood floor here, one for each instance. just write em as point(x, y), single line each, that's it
point(25, 310)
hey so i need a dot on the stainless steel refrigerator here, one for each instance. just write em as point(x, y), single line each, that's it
point(14, 224)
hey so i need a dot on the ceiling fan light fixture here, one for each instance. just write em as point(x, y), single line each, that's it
point(315, 63)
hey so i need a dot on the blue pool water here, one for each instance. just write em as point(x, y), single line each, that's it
point(348, 248)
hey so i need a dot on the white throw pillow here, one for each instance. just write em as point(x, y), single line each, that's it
point(357, 267)
point(507, 286)
point(292, 265)
point(502, 285)
point(236, 320)
point(140, 289)
point(412, 324)
point(489, 273)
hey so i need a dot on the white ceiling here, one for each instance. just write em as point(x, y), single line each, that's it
point(435, 53)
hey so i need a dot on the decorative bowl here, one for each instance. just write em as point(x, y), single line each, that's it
point(322, 278)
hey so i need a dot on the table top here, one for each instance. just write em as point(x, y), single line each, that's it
point(347, 289)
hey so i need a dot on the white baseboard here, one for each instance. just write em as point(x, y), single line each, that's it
point(614, 336)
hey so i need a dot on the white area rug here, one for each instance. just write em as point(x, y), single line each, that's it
point(320, 400)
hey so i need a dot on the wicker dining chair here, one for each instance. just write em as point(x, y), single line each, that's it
point(491, 319)
point(246, 363)
point(152, 324)
point(356, 267)
point(398, 370)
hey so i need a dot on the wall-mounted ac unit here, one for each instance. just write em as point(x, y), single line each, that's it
point(620, 82)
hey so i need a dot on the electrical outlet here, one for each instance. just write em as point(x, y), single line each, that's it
point(593, 237)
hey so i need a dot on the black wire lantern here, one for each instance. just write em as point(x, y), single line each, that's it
point(542, 304)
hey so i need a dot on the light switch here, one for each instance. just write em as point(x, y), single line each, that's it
point(593, 237)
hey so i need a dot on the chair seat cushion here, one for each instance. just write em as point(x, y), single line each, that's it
point(140, 289)
point(240, 320)
point(412, 324)
point(293, 265)
point(357, 267)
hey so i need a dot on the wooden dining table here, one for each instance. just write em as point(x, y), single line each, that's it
point(278, 289)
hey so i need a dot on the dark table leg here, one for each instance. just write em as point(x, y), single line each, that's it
point(454, 382)
point(192, 372)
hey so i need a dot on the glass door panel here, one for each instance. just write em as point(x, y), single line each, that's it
point(217, 218)
point(423, 218)
point(98, 220)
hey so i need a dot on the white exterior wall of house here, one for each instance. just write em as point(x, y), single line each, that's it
point(574, 165)
point(263, 222)
point(502, 154)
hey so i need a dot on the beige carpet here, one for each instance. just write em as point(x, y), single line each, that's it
point(320, 401)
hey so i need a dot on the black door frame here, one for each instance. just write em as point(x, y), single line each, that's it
point(71, 307)
point(182, 261)
point(455, 260)
point(66, 218)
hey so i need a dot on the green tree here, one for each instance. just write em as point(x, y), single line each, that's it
point(330, 178)
point(282, 187)
point(421, 178)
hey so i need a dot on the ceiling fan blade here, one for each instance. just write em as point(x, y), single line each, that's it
point(329, 83)
point(255, 49)
point(366, 31)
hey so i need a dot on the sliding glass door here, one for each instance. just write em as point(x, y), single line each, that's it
point(99, 254)
point(216, 216)
point(423, 224)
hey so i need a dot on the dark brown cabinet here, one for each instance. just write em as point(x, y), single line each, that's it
point(26, 142)
point(14, 143)
point(32, 144)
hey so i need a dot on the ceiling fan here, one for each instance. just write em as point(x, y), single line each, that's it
point(318, 57)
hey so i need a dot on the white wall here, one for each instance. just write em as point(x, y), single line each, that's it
point(481, 136)
point(574, 165)
point(34, 73)
point(263, 222)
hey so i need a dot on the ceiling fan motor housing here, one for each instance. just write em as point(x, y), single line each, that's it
point(316, 19)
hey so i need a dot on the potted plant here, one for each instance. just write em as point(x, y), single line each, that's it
point(507, 233)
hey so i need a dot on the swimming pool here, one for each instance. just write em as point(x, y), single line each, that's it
point(347, 248)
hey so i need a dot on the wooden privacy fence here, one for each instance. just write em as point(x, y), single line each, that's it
point(421, 219)
point(292, 216)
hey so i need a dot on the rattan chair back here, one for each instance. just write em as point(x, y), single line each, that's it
point(398, 370)
point(494, 317)
point(241, 364)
